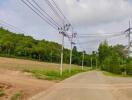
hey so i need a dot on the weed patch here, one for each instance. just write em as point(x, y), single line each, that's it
point(2, 92)
point(16, 96)
point(54, 75)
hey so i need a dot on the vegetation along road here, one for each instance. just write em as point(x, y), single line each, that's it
point(89, 86)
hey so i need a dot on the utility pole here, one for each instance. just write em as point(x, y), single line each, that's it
point(61, 67)
point(83, 60)
point(91, 62)
point(72, 43)
point(96, 63)
point(129, 41)
point(129, 37)
point(51, 55)
point(70, 57)
point(63, 31)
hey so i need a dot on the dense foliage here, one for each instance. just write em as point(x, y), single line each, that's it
point(114, 59)
point(109, 58)
point(20, 46)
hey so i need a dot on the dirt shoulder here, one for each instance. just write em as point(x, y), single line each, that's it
point(13, 82)
point(122, 87)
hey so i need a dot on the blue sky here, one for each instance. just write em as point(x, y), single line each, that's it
point(87, 17)
point(2, 2)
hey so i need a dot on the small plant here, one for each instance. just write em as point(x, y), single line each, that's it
point(1, 92)
point(16, 96)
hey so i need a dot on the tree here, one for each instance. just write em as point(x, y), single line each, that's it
point(103, 51)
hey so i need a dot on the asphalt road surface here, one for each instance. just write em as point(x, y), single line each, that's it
point(85, 86)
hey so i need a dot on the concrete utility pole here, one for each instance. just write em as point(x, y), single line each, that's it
point(129, 37)
point(72, 43)
point(70, 58)
point(51, 55)
point(91, 62)
point(129, 41)
point(83, 60)
point(63, 31)
point(96, 63)
point(61, 67)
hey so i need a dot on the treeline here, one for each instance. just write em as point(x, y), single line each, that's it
point(20, 46)
point(114, 59)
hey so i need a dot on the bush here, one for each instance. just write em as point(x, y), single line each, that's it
point(16, 96)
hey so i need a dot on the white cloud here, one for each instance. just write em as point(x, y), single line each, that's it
point(87, 16)
point(88, 12)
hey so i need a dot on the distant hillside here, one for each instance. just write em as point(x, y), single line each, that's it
point(18, 45)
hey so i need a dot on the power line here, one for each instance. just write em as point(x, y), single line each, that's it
point(34, 6)
point(86, 42)
point(3, 23)
point(39, 11)
point(42, 14)
point(55, 11)
point(97, 40)
point(42, 17)
point(100, 36)
point(59, 9)
point(102, 33)
point(8, 27)
point(45, 13)
point(58, 12)
point(61, 12)
point(78, 42)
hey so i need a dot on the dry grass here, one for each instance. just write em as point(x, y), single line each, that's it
point(19, 64)
point(41, 70)
point(11, 72)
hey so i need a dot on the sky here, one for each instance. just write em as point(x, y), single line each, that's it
point(87, 17)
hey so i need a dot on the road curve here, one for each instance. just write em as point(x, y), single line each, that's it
point(84, 86)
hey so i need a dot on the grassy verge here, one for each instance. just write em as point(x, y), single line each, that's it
point(54, 75)
point(16, 96)
point(114, 75)
point(1, 92)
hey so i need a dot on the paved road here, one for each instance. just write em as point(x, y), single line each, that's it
point(84, 86)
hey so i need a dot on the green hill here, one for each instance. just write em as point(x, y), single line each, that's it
point(21, 46)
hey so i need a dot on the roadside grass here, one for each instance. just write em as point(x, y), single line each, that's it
point(115, 75)
point(41, 70)
point(2, 92)
point(54, 74)
point(16, 96)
